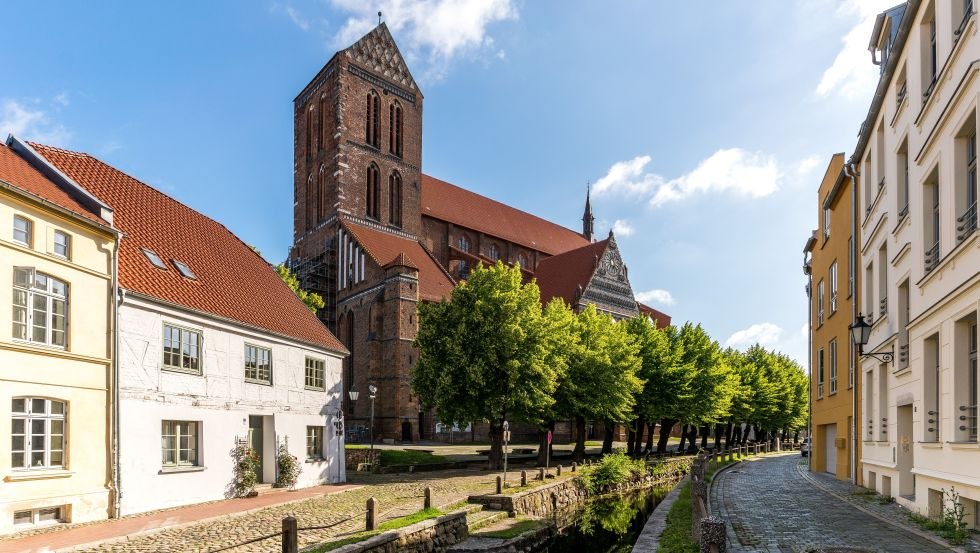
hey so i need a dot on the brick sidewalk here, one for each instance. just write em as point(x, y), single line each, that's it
point(128, 527)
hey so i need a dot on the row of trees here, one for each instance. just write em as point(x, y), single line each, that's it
point(492, 353)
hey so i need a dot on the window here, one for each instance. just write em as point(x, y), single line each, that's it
point(310, 117)
point(315, 374)
point(966, 194)
point(869, 291)
point(463, 268)
point(833, 287)
point(395, 129)
point(973, 382)
point(395, 199)
point(40, 308)
point(314, 443)
point(826, 223)
point(181, 349)
point(39, 517)
point(883, 280)
point(903, 179)
point(321, 191)
point(931, 388)
point(37, 433)
point(23, 231)
point(464, 244)
point(932, 227)
point(522, 261)
point(371, 119)
point(154, 259)
point(930, 66)
point(62, 244)
point(820, 374)
point(883, 402)
point(904, 299)
point(820, 303)
point(965, 378)
point(833, 366)
point(180, 443)
point(184, 270)
point(373, 206)
point(258, 364)
point(493, 253)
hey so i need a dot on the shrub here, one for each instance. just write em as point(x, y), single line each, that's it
point(246, 465)
point(612, 470)
point(288, 468)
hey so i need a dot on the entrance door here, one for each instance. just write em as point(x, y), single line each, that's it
point(421, 425)
point(830, 448)
point(906, 480)
point(255, 440)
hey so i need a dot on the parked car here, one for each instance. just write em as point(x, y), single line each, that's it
point(805, 448)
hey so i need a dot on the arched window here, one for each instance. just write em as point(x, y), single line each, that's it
point(37, 433)
point(464, 244)
point(373, 191)
point(323, 120)
point(373, 113)
point(310, 202)
point(320, 204)
point(309, 130)
point(350, 348)
point(395, 129)
point(395, 199)
point(522, 260)
point(492, 252)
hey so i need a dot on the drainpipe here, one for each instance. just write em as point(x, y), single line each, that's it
point(852, 173)
point(118, 296)
point(809, 356)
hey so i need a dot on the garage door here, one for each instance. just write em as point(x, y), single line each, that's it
point(830, 447)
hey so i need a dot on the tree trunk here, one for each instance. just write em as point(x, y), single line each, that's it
point(496, 435)
point(607, 440)
point(796, 436)
point(692, 438)
point(636, 438)
point(705, 431)
point(578, 454)
point(680, 446)
point(729, 428)
point(651, 427)
point(543, 442)
point(666, 425)
point(630, 440)
point(719, 429)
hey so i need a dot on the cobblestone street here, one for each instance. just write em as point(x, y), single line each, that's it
point(397, 494)
point(770, 505)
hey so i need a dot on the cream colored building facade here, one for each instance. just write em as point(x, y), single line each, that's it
point(920, 257)
point(56, 287)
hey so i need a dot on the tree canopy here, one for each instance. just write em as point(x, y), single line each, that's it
point(313, 301)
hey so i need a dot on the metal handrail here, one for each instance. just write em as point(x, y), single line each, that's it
point(967, 14)
point(967, 223)
point(932, 257)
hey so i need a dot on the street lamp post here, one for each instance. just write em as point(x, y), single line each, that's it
point(506, 439)
point(860, 332)
point(372, 392)
point(338, 424)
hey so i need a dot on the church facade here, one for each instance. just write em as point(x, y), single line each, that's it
point(375, 236)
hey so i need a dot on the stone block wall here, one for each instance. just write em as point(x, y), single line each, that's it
point(357, 456)
point(429, 536)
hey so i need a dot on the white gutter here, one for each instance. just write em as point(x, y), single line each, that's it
point(850, 172)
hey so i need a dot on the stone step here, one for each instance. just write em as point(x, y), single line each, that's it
point(480, 519)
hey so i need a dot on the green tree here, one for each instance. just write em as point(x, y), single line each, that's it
point(601, 380)
point(562, 344)
point(713, 384)
point(313, 301)
point(483, 355)
point(667, 383)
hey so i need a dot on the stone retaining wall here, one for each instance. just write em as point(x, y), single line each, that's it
point(354, 457)
point(429, 536)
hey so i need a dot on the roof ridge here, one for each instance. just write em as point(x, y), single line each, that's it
point(59, 150)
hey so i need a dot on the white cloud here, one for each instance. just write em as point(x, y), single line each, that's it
point(432, 31)
point(622, 227)
point(662, 297)
point(30, 122)
point(744, 173)
point(298, 19)
point(762, 333)
point(61, 99)
point(807, 164)
point(852, 75)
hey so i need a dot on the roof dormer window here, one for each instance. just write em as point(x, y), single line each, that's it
point(184, 269)
point(154, 259)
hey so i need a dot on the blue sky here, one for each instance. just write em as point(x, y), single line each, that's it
point(704, 128)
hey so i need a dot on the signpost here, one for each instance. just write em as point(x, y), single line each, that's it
point(506, 440)
point(547, 454)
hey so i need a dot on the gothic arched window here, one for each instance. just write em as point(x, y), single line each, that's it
point(395, 199)
point(323, 120)
point(320, 203)
point(310, 117)
point(395, 129)
point(522, 260)
point(493, 253)
point(373, 192)
point(464, 244)
point(373, 112)
point(310, 202)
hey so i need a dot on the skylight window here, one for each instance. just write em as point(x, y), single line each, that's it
point(184, 269)
point(154, 259)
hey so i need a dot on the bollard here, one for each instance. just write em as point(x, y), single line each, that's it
point(574, 466)
point(712, 538)
point(558, 471)
point(371, 522)
point(766, 447)
point(290, 538)
point(523, 478)
point(427, 502)
point(500, 484)
point(541, 473)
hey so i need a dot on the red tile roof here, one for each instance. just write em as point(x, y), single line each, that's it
point(662, 319)
point(16, 171)
point(389, 250)
point(233, 282)
point(461, 207)
point(561, 275)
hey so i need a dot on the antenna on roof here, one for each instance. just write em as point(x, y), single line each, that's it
point(379, 17)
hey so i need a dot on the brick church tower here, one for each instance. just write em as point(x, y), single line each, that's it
point(356, 221)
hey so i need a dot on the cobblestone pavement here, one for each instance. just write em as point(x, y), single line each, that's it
point(397, 495)
point(769, 505)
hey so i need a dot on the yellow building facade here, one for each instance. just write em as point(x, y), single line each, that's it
point(57, 251)
point(833, 290)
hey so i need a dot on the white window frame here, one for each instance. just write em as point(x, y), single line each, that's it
point(820, 373)
point(833, 366)
point(315, 373)
point(48, 419)
point(184, 269)
point(178, 429)
point(28, 231)
point(33, 286)
point(198, 356)
point(314, 442)
point(820, 303)
point(36, 514)
point(833, 287)
point(253, 366)
point(66, 245)
point(826, 223)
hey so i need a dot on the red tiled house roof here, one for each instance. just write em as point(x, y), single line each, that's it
point(388, 250)
point(448, 202)
point(662, 319)
point(233, 282)
point(560, 276)
point(17, 172)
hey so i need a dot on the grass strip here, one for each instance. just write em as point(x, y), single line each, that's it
point(676, 537)
point(393, 524)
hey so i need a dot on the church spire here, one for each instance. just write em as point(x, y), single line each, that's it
point(588, 221)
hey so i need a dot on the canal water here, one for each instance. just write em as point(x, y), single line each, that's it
point(608, 524)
